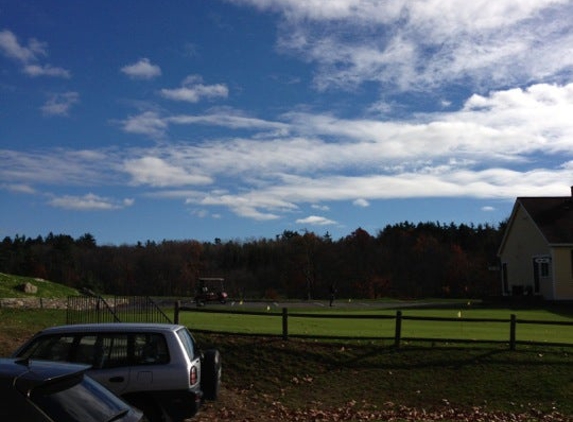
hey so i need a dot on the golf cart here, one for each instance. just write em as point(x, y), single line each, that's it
point(210, 290)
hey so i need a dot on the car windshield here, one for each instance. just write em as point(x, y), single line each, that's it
point(84, 401)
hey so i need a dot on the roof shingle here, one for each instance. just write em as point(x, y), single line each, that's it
point(553, 216)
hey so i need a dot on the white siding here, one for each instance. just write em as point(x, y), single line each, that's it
point(523, 242)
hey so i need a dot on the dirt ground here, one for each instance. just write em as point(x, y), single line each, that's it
point(243, 406)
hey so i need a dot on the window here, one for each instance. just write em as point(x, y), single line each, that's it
point(103, 350)
point(544, 269)
point(76, 399)
point(504, 278)
point(150, 349)
point(86, 351)
point(56, 348)
point(114, 350)
point(187, 341)
point(542, 266)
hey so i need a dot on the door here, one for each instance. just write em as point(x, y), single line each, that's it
point(110, 360)
point(536, 273)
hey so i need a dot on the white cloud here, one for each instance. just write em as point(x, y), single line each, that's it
point(143, 69)
point(320, 207)
point(152, 124)
point(201, 213)
point(488, 208)
point(28, 55)
point(227, 118)
point(406, 45)
point(60, 167)
point(362, 203)
point(254, 205)
point(60, 104)
point(192, 90)
point(155, 171)
point(35, 70)
point(315, 220)
point(380, 107)
point(11, 48)
point(19, 188)
point(506, 125)
point(148, 123)
point(516, 142)
point(89, 202)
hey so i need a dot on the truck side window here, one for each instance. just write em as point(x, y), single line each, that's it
point(150, 349)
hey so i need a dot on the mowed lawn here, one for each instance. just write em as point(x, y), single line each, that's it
point(459, 324)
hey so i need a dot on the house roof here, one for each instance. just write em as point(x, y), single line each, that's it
point(552, 215)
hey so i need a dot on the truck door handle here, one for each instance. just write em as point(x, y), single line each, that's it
point(116, 379)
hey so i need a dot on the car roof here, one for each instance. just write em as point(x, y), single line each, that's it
point(113, 327)
point(31, 373)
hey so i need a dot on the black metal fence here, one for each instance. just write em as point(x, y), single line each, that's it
point(94, 309)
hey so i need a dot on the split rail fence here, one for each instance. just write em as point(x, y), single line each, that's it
point(399, 321)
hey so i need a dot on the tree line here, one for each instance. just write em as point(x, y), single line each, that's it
point(403, 260)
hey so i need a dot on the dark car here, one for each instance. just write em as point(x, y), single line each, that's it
point(40, 391)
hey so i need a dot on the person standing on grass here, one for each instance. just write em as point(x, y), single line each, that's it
point(332, 294)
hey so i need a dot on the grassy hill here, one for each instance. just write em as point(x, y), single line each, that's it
point(10, 287)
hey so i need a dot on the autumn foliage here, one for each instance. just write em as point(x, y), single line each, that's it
point(403, 260)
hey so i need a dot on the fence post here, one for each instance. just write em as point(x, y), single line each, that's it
point(176, 312)
point(285, 324)
point(398, 333)
point(512, 326)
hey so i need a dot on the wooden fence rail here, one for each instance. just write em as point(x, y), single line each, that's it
point(398, 337)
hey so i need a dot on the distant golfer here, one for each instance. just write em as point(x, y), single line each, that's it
point(332, 294)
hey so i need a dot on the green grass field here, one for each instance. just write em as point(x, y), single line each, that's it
point(301, 378)
point(464, 324)
point(307, 376)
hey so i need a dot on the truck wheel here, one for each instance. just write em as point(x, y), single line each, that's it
point(211, 370)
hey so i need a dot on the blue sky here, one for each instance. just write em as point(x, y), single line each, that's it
point(141, 120)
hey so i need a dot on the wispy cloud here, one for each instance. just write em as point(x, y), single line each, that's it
point(142, 69)
point(193, 90)
point(60, 104)
point(35, 70)
point(154, 125)
point(362, 203)
point(61, 167)
point(494, 146)
point(320, 207)
point(19, 188)
point(148, 123)
point(154, 171)
point(12, 48)
point(405, 45)
point(28, 55)
point(315, 220)
point(89, 202)
point(228, 118)
point(250, 205)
